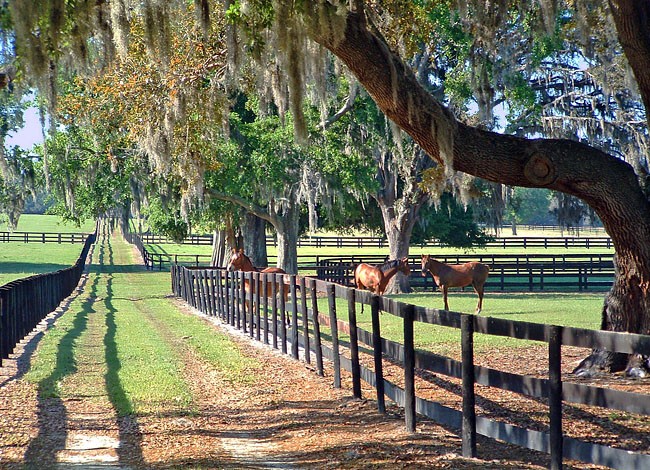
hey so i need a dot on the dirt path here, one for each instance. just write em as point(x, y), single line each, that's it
point(291, 419)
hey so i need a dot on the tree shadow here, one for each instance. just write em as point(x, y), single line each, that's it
point(51, 413)
point(130, 449)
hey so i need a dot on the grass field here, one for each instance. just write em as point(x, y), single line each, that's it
point(566, 309)
point(18, 260)
point(49, 224)
point(125, 311)
point(575, 309)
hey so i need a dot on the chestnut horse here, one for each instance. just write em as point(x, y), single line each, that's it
point(240, 262)
point(457, 275)
point(376, 278)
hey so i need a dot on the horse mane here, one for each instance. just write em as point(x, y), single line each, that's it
point(392, 263)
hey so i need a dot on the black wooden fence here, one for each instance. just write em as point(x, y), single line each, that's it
point(382, 242)
point(525, 272)
point(43, 237)
point(25, 302)
point(223, 294)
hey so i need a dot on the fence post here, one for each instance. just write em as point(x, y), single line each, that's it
point(409, 368)
point(258, 294)
point(241, 304)
point(274, 310)
point(3, 327)
point(265, 306)
point(331, 298)
point(354, 344)
point(317, 338)
point(469, 399)
point(305, 319)
point(377, 353)
point(230, 293)
point(294, 317)
point(283, 315)
point(252, 287)
point(555, 395)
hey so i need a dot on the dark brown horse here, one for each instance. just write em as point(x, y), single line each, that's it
point(457, 275)
point(376, 278)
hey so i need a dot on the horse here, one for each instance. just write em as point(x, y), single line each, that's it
point(457, 275)
point(376, 278)
point(240, 262)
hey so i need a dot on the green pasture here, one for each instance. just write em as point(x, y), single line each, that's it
point(308, 254)
point(18, 260)
point(49, 224)
point(564, 309)
point(125, 319)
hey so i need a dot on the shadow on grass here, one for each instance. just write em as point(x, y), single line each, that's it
point(52, 415)
point(129, 451)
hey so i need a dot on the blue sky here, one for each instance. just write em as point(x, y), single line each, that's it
point(30, 134)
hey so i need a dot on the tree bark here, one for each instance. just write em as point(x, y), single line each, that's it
point(219, 248)
point(604, 182)
point(254, 231)
point(283, 217)
point(287, 231)
point(399, 200)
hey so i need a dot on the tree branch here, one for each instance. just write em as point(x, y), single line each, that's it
point(249, 206)
point(601, 180)
point(346, 108)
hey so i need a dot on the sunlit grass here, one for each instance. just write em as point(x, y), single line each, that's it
point(125, 321)
point(576, 310)
point(50, 224)
point(19, 260)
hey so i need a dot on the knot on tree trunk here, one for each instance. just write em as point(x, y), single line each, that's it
point(540, 170)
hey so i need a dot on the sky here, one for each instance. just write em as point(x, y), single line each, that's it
point(30, 134)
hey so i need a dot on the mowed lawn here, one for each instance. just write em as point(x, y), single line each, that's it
point(124, 336)
point(19, 260)
point(580, 310)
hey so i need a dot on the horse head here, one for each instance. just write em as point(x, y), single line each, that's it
point(425, 267)
point(404, 266)
point(237, 260)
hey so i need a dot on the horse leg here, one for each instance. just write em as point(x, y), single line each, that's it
point(445, 289)
point(479, 291)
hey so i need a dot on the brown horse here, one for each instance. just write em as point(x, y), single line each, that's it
point(457, 275)
point(376, 278)
point(240, 262)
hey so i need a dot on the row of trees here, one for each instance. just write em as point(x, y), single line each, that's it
point(228, 113)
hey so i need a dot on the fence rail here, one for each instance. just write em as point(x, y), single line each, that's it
point(248, 302)
point(381, 242)
point(535, 272)
point(25, 302)
point(43, 237)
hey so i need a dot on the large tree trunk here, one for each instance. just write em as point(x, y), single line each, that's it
point(286, 226)
point(606, 183)
point(400, 200)
point(219, 248)
point(254, 231)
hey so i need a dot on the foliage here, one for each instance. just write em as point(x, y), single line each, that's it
point(166, 220)
point(449, 223)
point(531, 206)
point(85, 183)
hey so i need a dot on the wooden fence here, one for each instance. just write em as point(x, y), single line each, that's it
point(25, 302)
point(534, 272)
point(223, 294)
point(552, 272)
point(381, 242)
point(43, 237)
